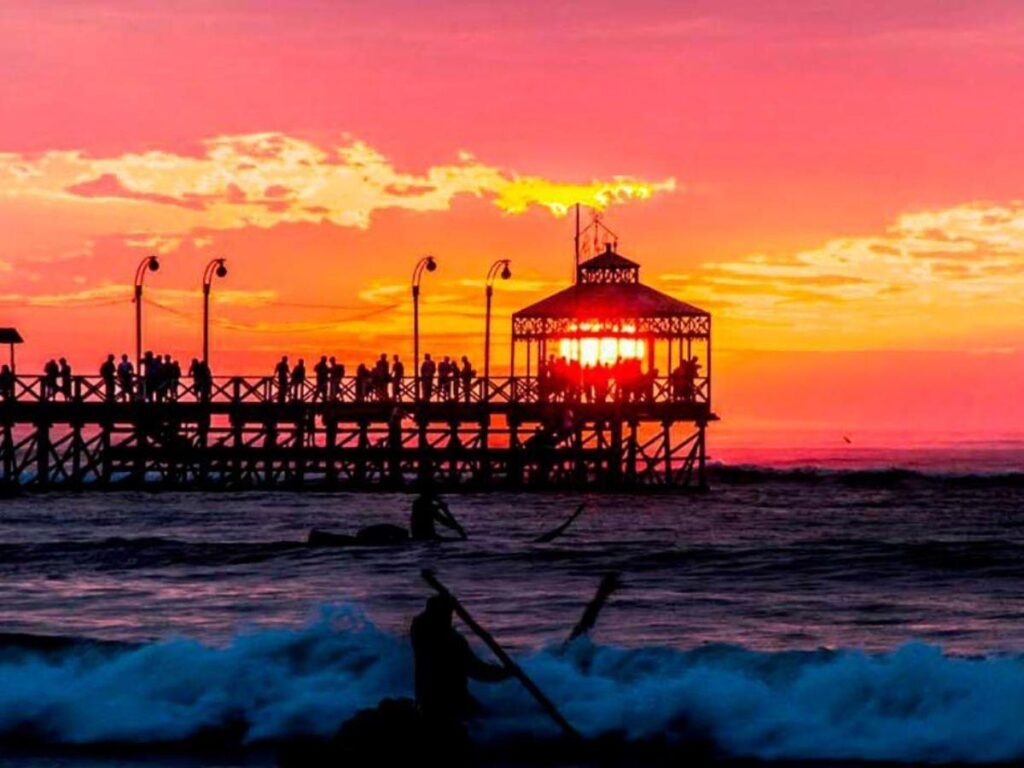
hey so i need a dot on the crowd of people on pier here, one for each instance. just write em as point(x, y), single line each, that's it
point(385, 380)
point(159, 379)
point(562, 379)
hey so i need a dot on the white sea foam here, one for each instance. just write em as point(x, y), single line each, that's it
point(911, 704)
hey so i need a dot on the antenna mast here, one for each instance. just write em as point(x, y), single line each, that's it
point(576, 271)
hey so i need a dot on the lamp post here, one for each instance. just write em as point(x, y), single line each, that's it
point(501, 269)
point(215, 268)
point(428, 264)
point(148, 264)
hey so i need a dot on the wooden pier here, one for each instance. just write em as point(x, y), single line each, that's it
point(505, 434)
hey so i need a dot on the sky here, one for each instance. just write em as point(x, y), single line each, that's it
point(838, 183)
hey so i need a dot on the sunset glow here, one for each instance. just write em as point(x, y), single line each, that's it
point(839, 187)
point(593, 347)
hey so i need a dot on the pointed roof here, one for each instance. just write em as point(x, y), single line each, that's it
point(609, 259)
point(607, 301)
point(609, 288)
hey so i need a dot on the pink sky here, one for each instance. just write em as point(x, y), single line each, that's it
point(838, 182)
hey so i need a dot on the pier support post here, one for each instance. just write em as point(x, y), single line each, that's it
point(615, 453)
point(330, 448)
point(77, 447)
point(362, 458)
point(8, 454)
point(702, 477)
point(269, 451)
point(631, 454)
point(395, 449)
point(43, 454)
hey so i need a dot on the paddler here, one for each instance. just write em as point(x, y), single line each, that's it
point(444, 663)
point(428, 509)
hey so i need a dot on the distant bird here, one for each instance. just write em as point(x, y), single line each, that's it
point(846, 439)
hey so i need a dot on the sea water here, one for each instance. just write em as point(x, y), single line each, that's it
point(815, 609)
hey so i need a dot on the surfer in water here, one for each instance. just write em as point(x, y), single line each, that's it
point(444, 664)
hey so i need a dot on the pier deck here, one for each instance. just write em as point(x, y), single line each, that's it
point(507, 434)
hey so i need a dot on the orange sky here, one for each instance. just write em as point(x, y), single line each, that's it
point(839, 185)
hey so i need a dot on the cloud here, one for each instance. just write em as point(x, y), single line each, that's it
point(941, 273)
point(266, 179)
point(111, 294)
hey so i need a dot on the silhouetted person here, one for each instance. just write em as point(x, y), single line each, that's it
point(444, 663)
point(322, 374)
point(6, 383)
point(149, 372)
point(126, 378)
point(397, 375)
point(51, 371)
point(202, 380)
point(173, 377)
point(381, 377)
point(108, 373)
point(362, 382)
point(445, 374)
point(337, 374)
point(65, 378)
point(427, 370)
point(428, 509)
point(282, 372)
point(298, 379)
point(467, 374)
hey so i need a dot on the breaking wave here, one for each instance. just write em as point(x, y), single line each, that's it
point(911, 704)
point(869, 477)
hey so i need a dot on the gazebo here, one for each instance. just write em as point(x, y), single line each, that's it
point(607, 316)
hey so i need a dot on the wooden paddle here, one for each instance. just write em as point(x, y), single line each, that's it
point(431, 578)
point(609, 584)
point(554, 533)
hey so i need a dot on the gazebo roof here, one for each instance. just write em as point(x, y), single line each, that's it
point(10, 336)
point(608, 301)
point(609, 288)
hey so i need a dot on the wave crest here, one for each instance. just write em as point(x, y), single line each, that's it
point(911, 704)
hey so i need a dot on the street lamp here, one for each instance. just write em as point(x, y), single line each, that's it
point(148, 264)
point(429, 264)
point(501, 269)
point(215, 268)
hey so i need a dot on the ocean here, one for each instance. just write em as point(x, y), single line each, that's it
point(829, 604)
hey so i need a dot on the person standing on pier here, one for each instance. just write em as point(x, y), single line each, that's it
point(444, 378)
point(427, 371)
point(337, 374)
point(173, 377)
point(51, 371)
point(397, 375)
point(126, 378)
point(108, 373)
point(65, 378)
point(282, 372)
point(202, 380)
point(381, 377)
point(149, 374)
point(467, 374)
point(322, 372)
point(362, 382)
point(298, 379)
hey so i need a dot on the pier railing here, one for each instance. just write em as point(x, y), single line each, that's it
point(267, 389)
